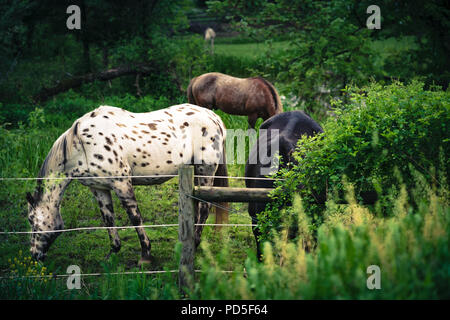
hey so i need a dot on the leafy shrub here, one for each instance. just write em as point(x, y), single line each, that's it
point(385, 137)
point(411, 250)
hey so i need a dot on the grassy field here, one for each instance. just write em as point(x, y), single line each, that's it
point(248, 50)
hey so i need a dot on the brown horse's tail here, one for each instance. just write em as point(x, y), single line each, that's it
point(276, 98)
point(277, 106)
point(190, 95)
point(222, 171)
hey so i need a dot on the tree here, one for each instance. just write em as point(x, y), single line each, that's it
point(113, 36)
point(330, 45)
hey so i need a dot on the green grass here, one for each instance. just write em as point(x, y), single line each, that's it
point(248, 50)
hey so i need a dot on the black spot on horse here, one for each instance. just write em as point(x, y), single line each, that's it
point(98, 156)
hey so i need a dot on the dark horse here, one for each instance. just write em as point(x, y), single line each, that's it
point(291, 127)
point(252, 97)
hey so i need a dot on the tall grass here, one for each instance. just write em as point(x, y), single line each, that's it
point(411, 248)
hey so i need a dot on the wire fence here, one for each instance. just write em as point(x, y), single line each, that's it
point(99, 274)
point(128, 176)
point(128, 227)
point(143, 226)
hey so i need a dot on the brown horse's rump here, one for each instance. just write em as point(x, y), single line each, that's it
point(253, 97)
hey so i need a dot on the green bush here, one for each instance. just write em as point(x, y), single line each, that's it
point(411, 250)
point(385, 137)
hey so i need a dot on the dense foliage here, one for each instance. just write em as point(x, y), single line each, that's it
point(330, 45)
point(382, 140)
point(411, 249)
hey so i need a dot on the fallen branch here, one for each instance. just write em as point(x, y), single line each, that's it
point(77, 81)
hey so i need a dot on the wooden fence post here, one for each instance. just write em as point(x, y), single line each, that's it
point(186, 216)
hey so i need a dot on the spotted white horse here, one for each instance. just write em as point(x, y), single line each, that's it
point(118, 149)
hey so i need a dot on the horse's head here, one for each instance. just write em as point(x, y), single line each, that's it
point(42, 217)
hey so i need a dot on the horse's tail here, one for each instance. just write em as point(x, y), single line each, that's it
point(190, 95)
point(276, 98)
point(277, 105)
point(222, 172)
point(60, 152)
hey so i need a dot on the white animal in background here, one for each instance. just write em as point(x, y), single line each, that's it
point(209, 36)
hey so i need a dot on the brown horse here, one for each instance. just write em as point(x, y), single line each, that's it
point(253, 97)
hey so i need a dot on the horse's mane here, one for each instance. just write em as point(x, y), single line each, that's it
point(57, 156)
point(273, 91)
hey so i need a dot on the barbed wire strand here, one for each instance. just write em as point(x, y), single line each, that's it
point(216, 205)
point(126, 227)
point(92, 177)
point(125, 177)
point(54, 276)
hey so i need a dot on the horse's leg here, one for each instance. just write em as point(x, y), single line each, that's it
point(256, 232)
point(252, 118)
point(106, 208)
point(254, 208)
point(203, 207)
point(125, 193)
